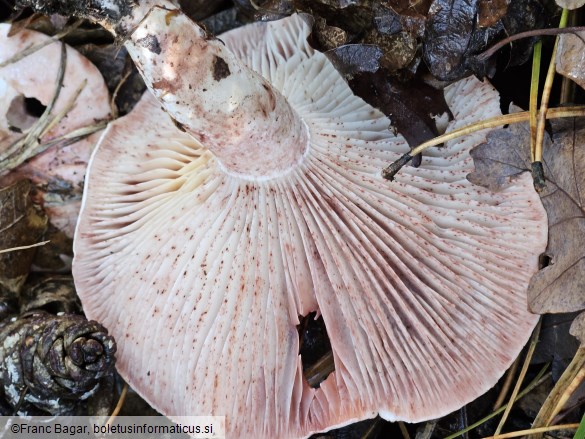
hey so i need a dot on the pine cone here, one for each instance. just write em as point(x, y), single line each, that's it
point(54, 361)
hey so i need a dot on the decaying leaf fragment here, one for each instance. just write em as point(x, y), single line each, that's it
point(570, 60)
point(578, 328)
point(560, 286)
point(21, 224)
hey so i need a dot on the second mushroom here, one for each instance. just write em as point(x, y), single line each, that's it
point(200, 251)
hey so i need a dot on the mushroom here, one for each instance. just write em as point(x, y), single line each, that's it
point(204, 237)
point(31, 81)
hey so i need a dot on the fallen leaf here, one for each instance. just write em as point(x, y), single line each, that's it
point(578, 328)
point(409, 107)
point(21, 223)
point(352, 59)
point(570, 60)
point(560, 286)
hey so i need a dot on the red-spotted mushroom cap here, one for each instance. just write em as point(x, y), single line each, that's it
point(200, 260)
point(35, 76)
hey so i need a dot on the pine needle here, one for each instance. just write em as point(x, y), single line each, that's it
point(531, 347)
point(24, 247)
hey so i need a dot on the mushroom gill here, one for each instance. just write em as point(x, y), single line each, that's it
point(201, 272)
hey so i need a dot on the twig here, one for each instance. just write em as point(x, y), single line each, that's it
point(537, 168)
point(531, 33)
point(119, 405)
point(507, 384)
point(403, 430)
point(537, 381)
point(24, 247)
point(533, 105)
point(558, 396)
point(532, 346)
point(523, 116)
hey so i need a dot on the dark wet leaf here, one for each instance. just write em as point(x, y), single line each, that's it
point(56, 255)
point(352, 59)
point(354, 16)
point(491, 11)
point(409, 107)
point(398, 50)
point(53, 294)
point(450, 25)
point(21, 224)
point(328, 37)
point(456, 36)
point(559, 287)
point(222, 21)
point(202, 9)
point(115, 66)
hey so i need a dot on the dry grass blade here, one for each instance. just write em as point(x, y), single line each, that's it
point(538, 171)
point(507, 384)
point(533, 343)
point(534, 96)
point(320, 370)
point(24, 247)
point(538, 380)
point(34, 48)
point(533, 431)
point(565, 386)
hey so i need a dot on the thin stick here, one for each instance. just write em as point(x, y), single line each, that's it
point(403, 430)
point(24, 247)
point(523, 116)
point(119, 405)
point(531, 347)
point(557, 396)
point(507, 384)
point(533, 107)
point(538, 380)
point(538, 170)
point(534, 431)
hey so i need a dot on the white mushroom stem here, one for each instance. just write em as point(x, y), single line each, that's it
point(234, 112)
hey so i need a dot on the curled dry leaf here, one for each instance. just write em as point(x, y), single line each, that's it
point(578, 328)
point(570, 59)
point(560, 286)
point(21, 223)
point(27, 86)
point(457, 31)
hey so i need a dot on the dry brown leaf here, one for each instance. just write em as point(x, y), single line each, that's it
point(21, 223)
point(578, 328)
point(559, 287)
point(570, 60)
